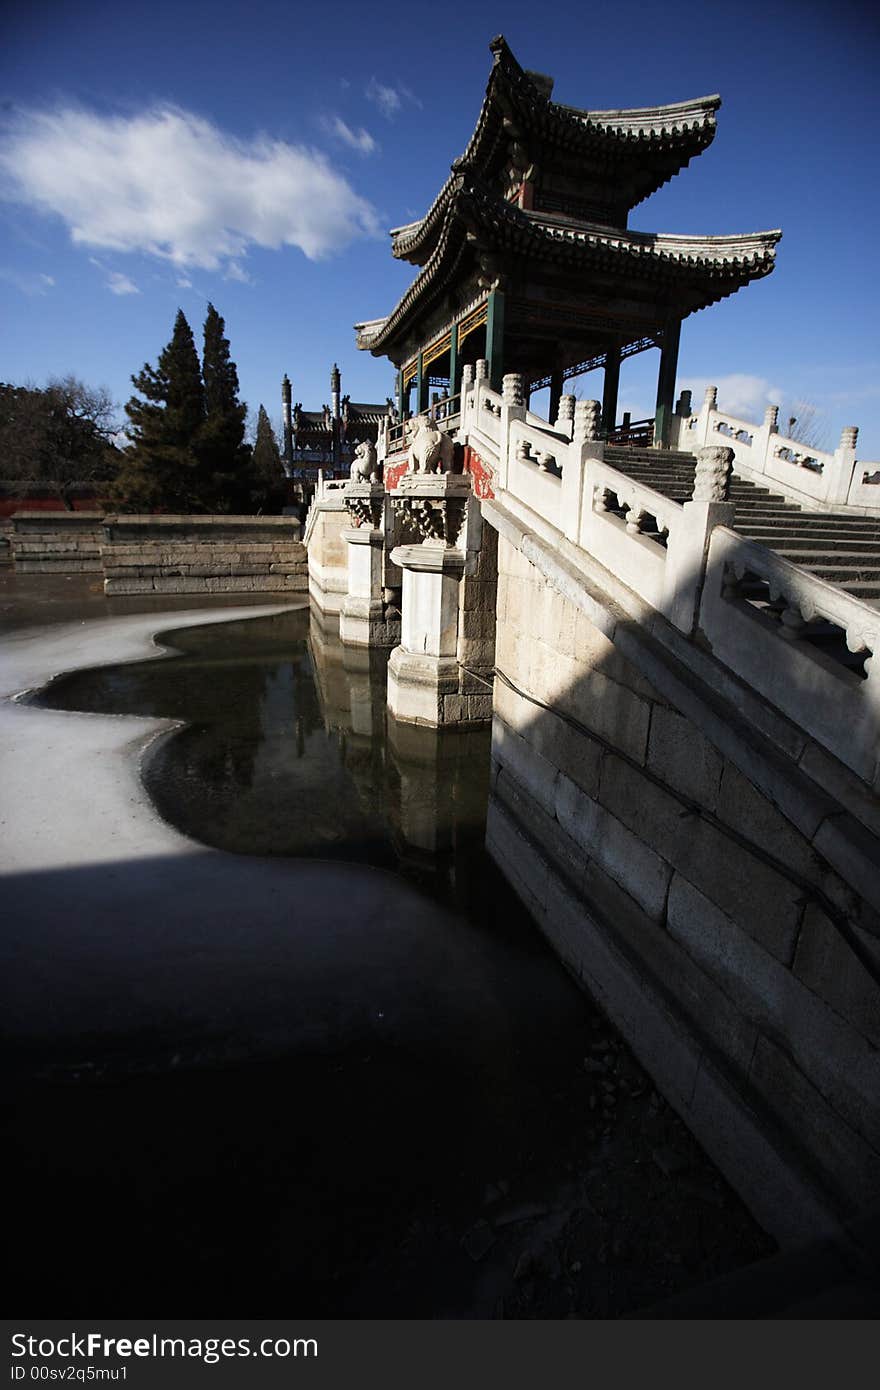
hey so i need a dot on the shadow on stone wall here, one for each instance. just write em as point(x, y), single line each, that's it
point(716, 901)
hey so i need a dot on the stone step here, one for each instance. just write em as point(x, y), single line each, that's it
point(766, 506)
point(835, 524)
point(804, 539)
point(845, 578)
point(866, 590)
point(636, 451)
point(839, 558)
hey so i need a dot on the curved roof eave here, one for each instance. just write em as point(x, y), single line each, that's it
point(690, 124)
point(736, 258)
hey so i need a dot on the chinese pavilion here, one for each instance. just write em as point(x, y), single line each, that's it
point(526, 259)
point(327, 438)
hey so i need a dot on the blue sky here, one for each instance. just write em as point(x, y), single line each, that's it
point(256, 154)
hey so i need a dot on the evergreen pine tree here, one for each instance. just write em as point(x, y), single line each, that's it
point(162, 468)
point(224, 455)
point(267, 472)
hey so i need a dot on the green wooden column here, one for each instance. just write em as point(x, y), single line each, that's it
point(495, 339)
point(421, 386)
point(666, 381)
point(453, 360)
point(610, 388)
point(401, 396)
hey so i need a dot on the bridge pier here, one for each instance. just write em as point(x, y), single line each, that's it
point(438, 675)
point(368, 619)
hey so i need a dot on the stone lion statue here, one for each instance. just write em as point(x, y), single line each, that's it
point(430, 450)
point(365, 467)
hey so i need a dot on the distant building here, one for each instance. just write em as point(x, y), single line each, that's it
point(326, 439)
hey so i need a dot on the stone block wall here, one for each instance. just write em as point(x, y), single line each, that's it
point(707, 924)
point(203, 554)
point(57, 542)
point(328, 557)
point(475, 652)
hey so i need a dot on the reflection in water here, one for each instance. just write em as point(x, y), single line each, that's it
point(471, 1138)
point(288, 750)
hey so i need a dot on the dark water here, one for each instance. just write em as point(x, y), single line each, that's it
point(494, 1151)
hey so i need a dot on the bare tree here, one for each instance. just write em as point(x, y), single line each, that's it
point(805, 423)
point(59, 435)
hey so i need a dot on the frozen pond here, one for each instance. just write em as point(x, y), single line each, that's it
point(420, 1117)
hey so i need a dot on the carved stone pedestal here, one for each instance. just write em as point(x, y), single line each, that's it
point(426, 683)
point(367, 620)
point(423, 670)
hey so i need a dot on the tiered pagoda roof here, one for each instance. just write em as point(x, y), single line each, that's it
point(540, 200)
point(604, 162)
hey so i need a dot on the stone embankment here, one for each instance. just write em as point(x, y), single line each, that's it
point(163, 554)
point(57, 542)
point(203, 554)
point(707, 873)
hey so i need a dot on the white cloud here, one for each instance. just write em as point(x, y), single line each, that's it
point(184, 282)
point(360, 140)
point(389, 100)
point(171, 184)
point(27, 282)
point(738, 393)
point(234, 271)
point(116, 282)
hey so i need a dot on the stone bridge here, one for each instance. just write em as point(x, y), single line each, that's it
point(678, 665)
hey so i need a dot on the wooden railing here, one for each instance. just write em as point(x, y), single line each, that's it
point(634, 432)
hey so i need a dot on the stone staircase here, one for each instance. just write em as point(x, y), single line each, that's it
point(842, 548)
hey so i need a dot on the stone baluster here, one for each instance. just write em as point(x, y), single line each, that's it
point(467, 386)
point(513, 407)
point(585, 422)
point(688, 544)
point(585, 444)
point(712, 477)
point(683, 404)
point(771, 419)
point(700, 434)
point(565, 415)
point(844, 467)
point(791, 623)
point(513, 390)
point(482, 370)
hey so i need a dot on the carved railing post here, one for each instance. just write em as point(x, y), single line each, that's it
point(513, 389)
point(844, 467)
point(677, 426)
point(467, 386)
point(565, 415)
point(710, 403)
point(771, 419)
point(513, 407)
point(585, 424)
point(584, 444)
point(688, 544)
point(712, 477)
